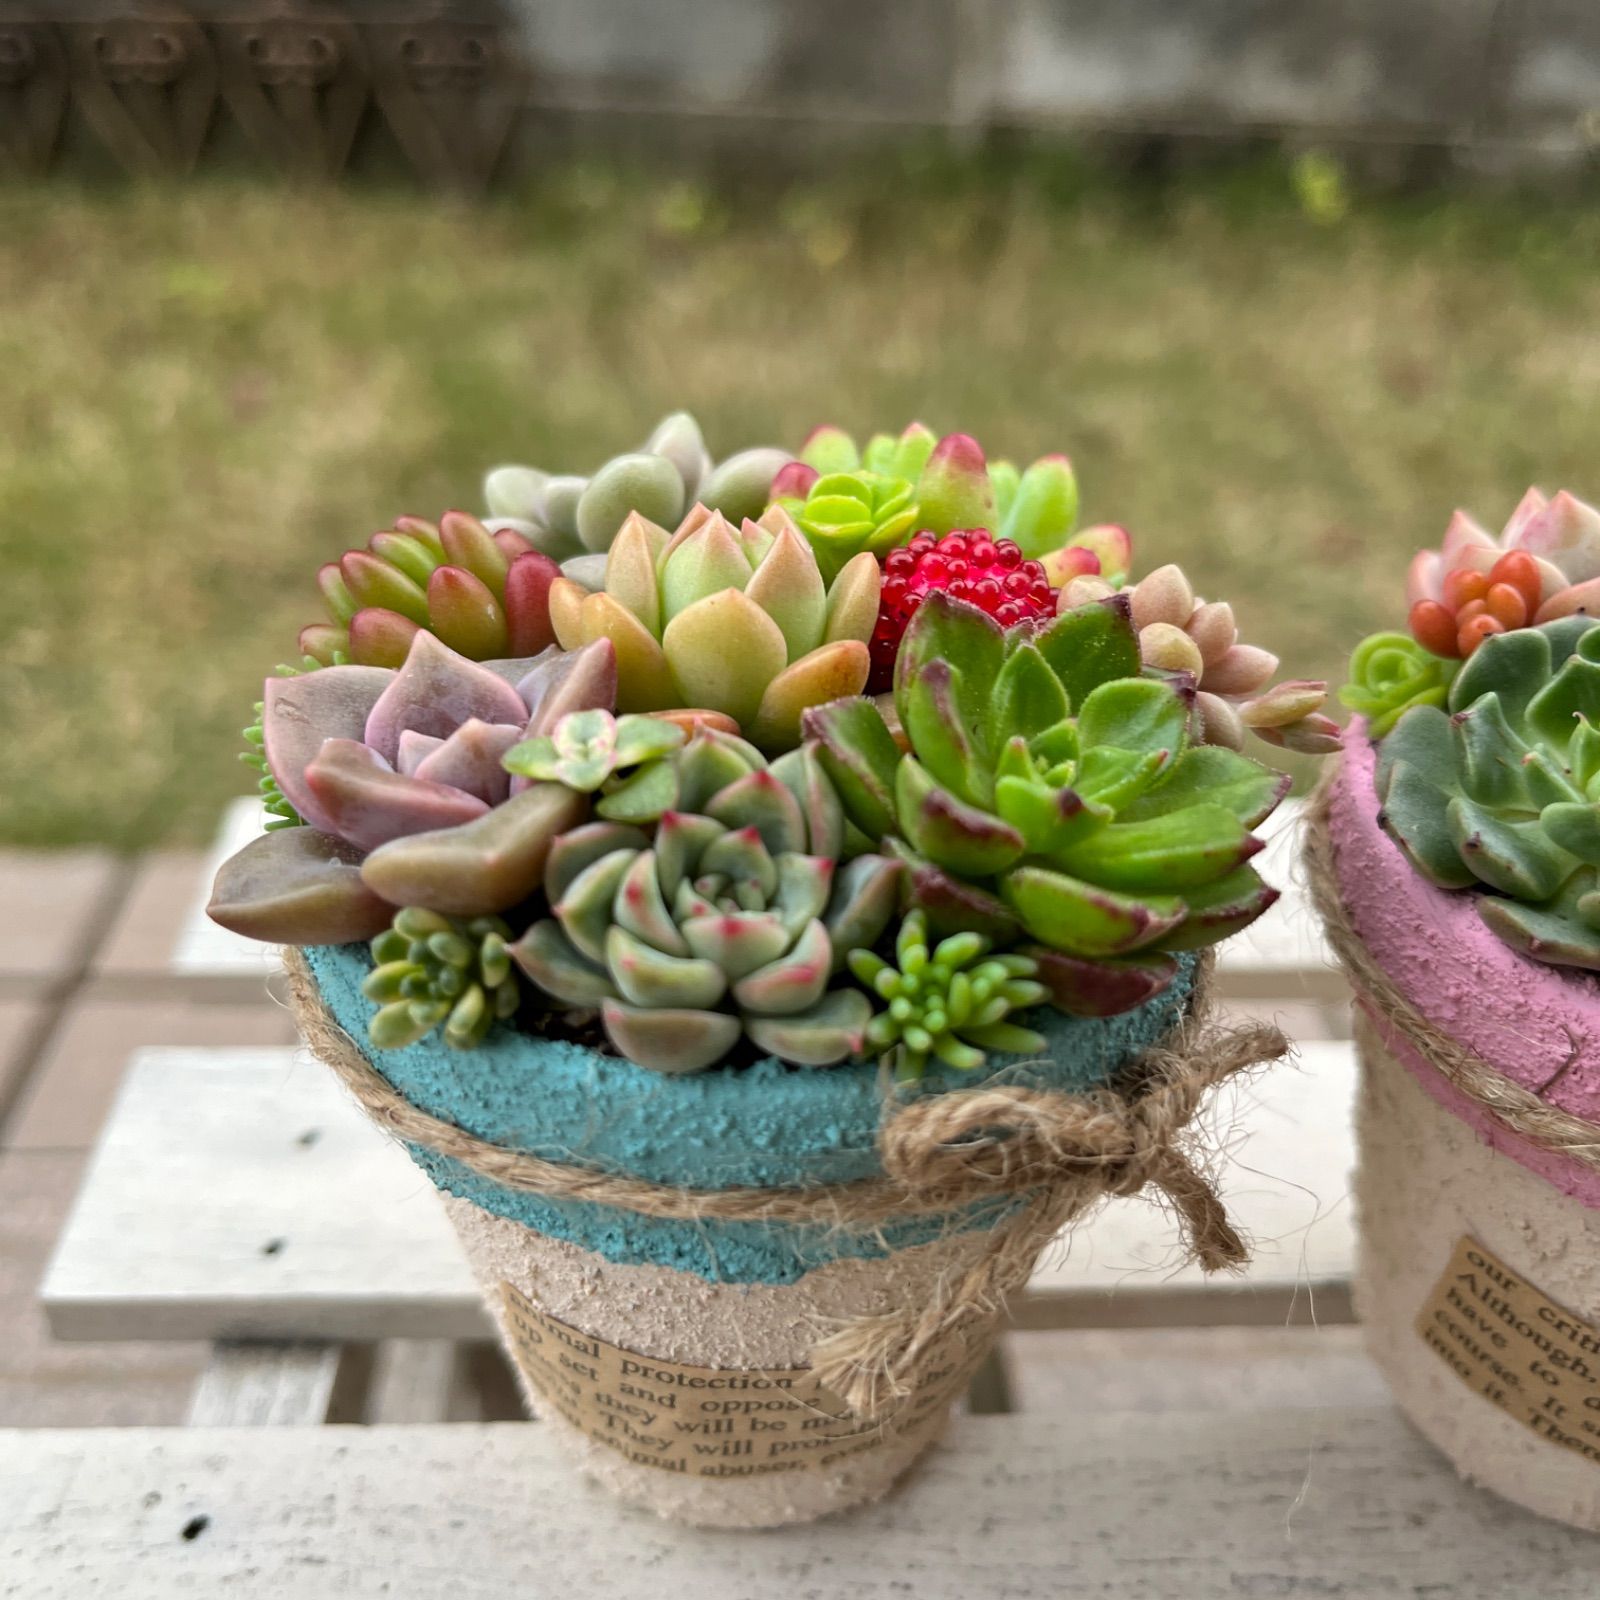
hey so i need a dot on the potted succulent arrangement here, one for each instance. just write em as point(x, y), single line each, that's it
point(1455, 854)
point(769, 899)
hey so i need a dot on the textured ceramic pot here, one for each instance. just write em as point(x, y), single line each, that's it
point(672, 1354)
point(1479, 1272)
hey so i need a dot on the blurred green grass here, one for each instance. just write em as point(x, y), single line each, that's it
point(208, 391)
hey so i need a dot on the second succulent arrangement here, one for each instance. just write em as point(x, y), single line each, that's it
point(1486, 716)
point(867, 751)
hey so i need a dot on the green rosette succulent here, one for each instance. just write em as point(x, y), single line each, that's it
point(735, 619)
point(441, 972)
point(1051, 798)
point(1499, 789)
point(947, 1001)
point(723, 925)
point(1390, 673)
point(574, 519)
point(846, 500)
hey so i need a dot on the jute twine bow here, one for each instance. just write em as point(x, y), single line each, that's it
point(1541, 1124)
point(1051, 1155)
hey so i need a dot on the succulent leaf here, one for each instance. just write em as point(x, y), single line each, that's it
point(297, 886)
point(433, 970)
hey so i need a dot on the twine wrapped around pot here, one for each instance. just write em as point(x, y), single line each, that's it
point(1406, 1031)
point(1058, 1154)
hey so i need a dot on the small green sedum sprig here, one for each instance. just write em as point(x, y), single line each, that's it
point(947, 1003)
point(432, 971)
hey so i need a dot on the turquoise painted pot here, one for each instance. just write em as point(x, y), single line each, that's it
point(661, 1351)
point(765, 1126)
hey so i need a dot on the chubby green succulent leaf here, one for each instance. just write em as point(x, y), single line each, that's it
point(1515, 857)
point(1513, 670)
point(1416, 816)
point(649, 977)
point(560, 969)
point(961, 838)
point(951, 904)
point(1572, 693)
point(1090, 645)
point(832, 1030)
point(966, 640)
point(672, 1040)
point(1425, 741)
point(1044, 508)
point(860, 757)
point(642, 797)
point(801, 773)
point(1086, 918)
point(1489, 755)
point(1219, 910)
point(929, 702)
point(1027, 697)
point(1181, 850)
point(1105, 988)
point(1048, 816)
point(1574, 827)
point(1561, 931)
point(1211, 775)
point(1137, 714)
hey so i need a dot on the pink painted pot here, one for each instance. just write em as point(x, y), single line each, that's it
point(1478, 1278)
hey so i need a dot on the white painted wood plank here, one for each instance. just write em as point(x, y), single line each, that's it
point(204, 950)
point(1287, 1142)
point(1085, 1371)
point(265, 1386)
point(414, 1380)
point(1270, 1504)
point(1283, 956)
point(238, 1193)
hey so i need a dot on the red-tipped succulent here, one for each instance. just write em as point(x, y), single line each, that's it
point(486, 595)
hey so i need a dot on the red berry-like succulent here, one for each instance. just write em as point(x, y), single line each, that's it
point(973, 566)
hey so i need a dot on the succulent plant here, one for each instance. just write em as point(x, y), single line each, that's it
point(948, 1002)
point(723, 925)
point(433, 972)
point(1499, 789)
point(575, 519)
point(732, 619)
point(1544, 565)
point(847, 500)
point(485, 595)
point(399, 773)
point(1390, 673)
point(588, 749)
point(1178, 632)
point(280, 813)
point(988, 573)
point(1050, 792)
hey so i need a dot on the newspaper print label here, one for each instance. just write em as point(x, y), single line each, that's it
point(705, 1422)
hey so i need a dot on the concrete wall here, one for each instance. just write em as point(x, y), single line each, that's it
point(1425, 70)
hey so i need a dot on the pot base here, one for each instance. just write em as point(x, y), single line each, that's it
point(715, 1328)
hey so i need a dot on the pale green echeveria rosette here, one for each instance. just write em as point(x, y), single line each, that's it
point(574, 519)
point(725, 924)
point(734, 619)
point(1390, 673)
point(1498, 790)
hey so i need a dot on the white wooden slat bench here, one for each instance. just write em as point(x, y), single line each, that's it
point(1283, 957)
point(1345, 1503)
